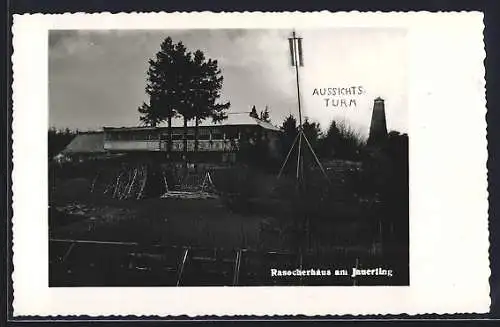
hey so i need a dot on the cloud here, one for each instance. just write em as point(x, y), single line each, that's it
point(97, 78)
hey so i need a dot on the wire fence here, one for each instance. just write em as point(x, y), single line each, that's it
point(97, 263)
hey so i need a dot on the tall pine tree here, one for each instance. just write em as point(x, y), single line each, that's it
point(206, 86)
point(264, 115)
point(182, 84)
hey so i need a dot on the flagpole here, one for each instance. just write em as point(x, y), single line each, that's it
point(295, 44)
point(300, 162)
point(295, 55)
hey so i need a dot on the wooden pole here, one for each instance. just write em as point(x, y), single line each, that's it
point(316, 159)
point(143, 183)
point(181, 268)
point(165, 181)
point(117, 183)
point(210, 179)
point(295, 55)
point(68, 252)
point(299, 155)
point(288, 156)
point(355, 282)
point(299, 171)
point(131, 184)
point(237, 265)
point(92, 242)
point(93, 182)
point(203, 184)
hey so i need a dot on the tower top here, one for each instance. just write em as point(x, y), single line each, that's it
point(378, 126)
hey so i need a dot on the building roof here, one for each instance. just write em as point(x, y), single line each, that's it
point(86, 143)
point(233, 119)
point(241, 118)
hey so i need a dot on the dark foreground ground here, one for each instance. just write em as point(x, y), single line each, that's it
point(202, 223)
point(130, 264)
point(101, 241)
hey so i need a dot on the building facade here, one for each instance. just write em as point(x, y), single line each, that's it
point(225, 139)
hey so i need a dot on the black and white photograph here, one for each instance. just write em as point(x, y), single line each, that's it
point(228, 157)
point(204, 164)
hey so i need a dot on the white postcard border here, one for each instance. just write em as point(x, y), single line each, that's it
point(449, 266)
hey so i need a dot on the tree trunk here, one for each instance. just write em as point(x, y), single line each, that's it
point(169, 141)
point(185, 140)
point(197, 122)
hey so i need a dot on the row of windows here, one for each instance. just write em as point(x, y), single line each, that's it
point(124, 136)
point(144, 136)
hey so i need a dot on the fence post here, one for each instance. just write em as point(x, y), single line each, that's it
point(181, 268)
point(355, 282)
point(237, 264)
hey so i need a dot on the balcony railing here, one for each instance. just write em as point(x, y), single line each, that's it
point(206, 145)
point(177, 145)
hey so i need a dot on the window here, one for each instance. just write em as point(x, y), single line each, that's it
point(217, 135)
point(136, 136)
point(127, 136)
point(204, 134)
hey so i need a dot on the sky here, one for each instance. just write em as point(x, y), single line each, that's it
point(97, 78)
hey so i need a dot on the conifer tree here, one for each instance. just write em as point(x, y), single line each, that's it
point(180, 83)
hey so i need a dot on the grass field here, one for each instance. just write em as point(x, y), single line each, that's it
point(203, 223)
point(253, 212)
